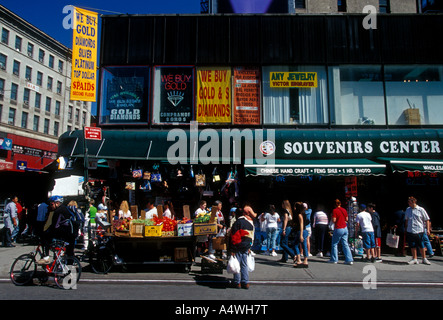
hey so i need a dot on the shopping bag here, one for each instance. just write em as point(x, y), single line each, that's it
point(233, 265)
point(251, 263)
point(392, 240)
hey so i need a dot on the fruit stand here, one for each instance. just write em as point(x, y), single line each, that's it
point(159, 240)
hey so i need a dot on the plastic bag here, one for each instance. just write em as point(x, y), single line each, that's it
point(251, 263)
point(233, 265)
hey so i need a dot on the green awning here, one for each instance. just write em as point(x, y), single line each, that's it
point(423, 165)
point(333, 167)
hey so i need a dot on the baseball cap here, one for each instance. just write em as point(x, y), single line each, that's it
point(56, 199)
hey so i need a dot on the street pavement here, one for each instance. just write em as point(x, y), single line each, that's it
point(393, 271)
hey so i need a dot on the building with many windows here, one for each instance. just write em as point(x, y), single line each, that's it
point(35, 106)
point(309, 107)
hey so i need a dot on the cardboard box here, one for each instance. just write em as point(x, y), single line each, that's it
point(181, 255)
point(219, 243)
point(412, 116)
point(153, 231)
point(136, 230)
point(184, 229)
point(201, 229)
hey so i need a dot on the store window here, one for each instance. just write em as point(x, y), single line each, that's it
point(295, 95)
point(125, 95)
point(356, 95)
point(414, 94)
point(173, 95)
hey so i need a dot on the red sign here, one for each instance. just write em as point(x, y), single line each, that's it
point(93, 133)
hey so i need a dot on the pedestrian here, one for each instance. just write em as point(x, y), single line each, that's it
point(201, 210)
point(286, 231)
point(10, 220)
point(399, 229)
point(242, 235)
point(308, 213)
point(364, 221)
point(320, 225)
point(151, 210)
point(427, 242)
point(272, 218)
point(377, 230)
point(417, 223)
point(340, 234)
point(301, 234)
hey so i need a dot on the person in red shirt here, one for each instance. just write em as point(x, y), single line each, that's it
point(340, 235)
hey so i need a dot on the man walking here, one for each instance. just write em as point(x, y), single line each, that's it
point(11, 221)
point(417, 223)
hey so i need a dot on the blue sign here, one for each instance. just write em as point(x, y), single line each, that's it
point(5, 144)
point(22, 165)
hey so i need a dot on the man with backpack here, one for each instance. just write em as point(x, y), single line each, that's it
point(60, 226)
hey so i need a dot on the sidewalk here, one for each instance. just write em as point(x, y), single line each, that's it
point(270, 270)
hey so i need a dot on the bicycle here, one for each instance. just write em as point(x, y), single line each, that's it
point(65, 270)
point(101, 252)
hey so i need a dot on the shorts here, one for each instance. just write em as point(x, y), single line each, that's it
point(368, 240)
point(415, 240)
point(378, 242)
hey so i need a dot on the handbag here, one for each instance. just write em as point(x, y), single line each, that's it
point(392, 240)
point(251, 263)
point(200, 180)
point(233, 266)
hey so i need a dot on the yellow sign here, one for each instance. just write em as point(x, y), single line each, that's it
point(84, 55)
point(293, 79)
point(214, 95)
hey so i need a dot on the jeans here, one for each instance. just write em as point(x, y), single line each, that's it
point(320, 232)
point(271, 237)
point(284, 244)
point(304, 243)
point(243, 276)
point(340, 236)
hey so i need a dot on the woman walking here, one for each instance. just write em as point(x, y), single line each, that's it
point(286, 231)
point(300, 222)
point(340, 235)
point(272, 219)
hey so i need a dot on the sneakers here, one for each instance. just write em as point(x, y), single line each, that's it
point(320, 254)
point(350, 263)
point(426, 261)
point(273, 253)
point(44, 261)
point(413, 261)
point(212, 256)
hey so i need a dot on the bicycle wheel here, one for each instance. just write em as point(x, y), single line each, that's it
point(67, 272)
point(23, 269)
point(101, 260)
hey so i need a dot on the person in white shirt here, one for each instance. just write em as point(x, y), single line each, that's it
point(124, 212)
point(201, 208)
point(320, 225)
point(272, 219)
point(152, 210)
point(417, 223)
point(169, 210)
point(364, 220)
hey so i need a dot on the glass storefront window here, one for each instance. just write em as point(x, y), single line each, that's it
point(295, 95)
point(173, 95)
point(414, 94)
point(356, 95)
point(124, 95)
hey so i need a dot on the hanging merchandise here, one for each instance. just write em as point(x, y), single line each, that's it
point(146, 175)
point(200, 179)
point(137, 174)
point(215, 175)
point(156, 177)
point(208, 192)
point(191, 172)
point(145, 186)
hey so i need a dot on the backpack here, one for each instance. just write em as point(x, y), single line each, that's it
point(77, 217)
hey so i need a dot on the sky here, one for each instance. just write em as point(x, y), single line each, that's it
point(48, 16)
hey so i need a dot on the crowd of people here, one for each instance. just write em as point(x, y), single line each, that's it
point(294, 227)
